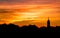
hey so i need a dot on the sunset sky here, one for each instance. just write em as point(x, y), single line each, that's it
point(24, 12)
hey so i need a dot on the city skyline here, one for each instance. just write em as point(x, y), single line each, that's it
point(24, 12)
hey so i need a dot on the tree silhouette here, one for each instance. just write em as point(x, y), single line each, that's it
point(29, 28)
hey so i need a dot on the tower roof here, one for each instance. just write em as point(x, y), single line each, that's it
point(48, 19)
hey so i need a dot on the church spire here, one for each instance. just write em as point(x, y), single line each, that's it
point(48, 23)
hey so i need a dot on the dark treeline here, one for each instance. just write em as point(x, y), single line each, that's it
point(30, 28)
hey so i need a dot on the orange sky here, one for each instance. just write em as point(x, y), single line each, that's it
point(30, 12)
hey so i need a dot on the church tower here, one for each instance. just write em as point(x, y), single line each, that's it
point(48, 23)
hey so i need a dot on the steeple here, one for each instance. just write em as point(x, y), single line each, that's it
point(48, 23)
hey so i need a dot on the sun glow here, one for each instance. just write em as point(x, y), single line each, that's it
point(29, 15)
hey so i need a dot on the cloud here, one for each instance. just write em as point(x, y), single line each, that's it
point(30, 1)
point(26, 22)
point(6, 11)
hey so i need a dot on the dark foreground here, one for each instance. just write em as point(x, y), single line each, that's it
point(30, 28)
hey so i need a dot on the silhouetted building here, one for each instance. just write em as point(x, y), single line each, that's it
point(48, 23)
